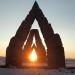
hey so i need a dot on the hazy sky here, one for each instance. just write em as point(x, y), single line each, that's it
point(60, 13)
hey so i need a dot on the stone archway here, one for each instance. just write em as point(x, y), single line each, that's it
point(55, 50)
point(39, 48)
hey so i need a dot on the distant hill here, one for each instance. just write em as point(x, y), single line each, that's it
point(2, 60)
point(70, 62)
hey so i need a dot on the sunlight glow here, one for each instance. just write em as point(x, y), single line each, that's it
point(33, 56)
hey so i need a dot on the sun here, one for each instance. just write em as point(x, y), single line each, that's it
point(33, 56)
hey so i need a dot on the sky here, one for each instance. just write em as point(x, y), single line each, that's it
point(60, 13)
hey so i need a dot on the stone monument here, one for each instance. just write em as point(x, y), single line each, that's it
point(55, 51)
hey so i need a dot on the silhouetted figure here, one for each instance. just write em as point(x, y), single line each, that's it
point(55, 50)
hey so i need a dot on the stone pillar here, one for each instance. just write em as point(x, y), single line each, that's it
point(27, 48)
point(55, 53)
point(14, 50)
point(41, 52)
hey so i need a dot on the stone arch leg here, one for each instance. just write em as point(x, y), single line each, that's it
point(27, 48)
point(40, 48)
point(14, 50)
